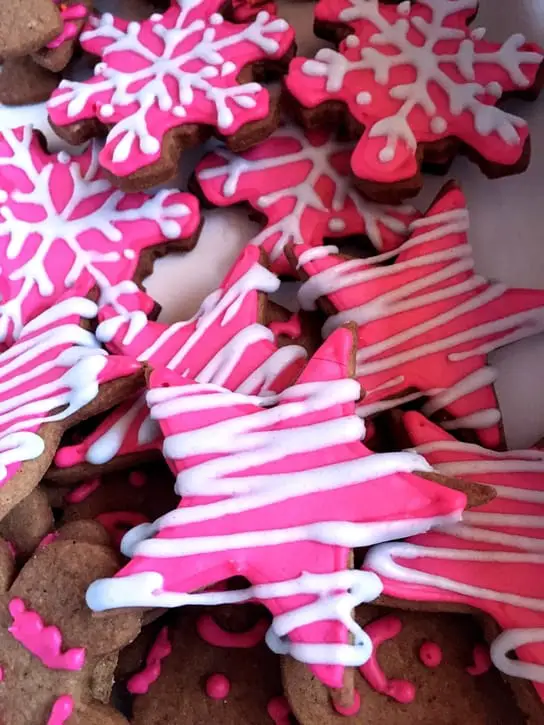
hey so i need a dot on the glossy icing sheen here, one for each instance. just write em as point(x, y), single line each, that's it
point(217, 686)
point(300, 181)
point(55, 365)
point(223, 343)
point(414, 72)
point(278, 490)
point(171, 70)
point(62, 224)
point(141, 682)
point(70, 15)
point(426, 321)
point(62, 709)
point(43, 642)
point(430, 654)
point(493, 560)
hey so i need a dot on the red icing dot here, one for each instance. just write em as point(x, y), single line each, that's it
point(137, 479)
point(217, 686)
point(278, 710)
point(352, 709)
point(430, 654)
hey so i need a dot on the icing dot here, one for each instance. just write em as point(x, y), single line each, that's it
point(477, 33)
point(3, 196)
point(228, 67)
point(150, 145)
point(216, 19)
point(137, 478)
point(494, 88)
point(352, 709)
point(133, 28)
point(99, 68)
point(156, 18)
point(430, 654)
point(170, 229)
point(404, 7)
point(352, 41)
point(129, 253)
point(179, 111)
point(107, 110)
point(278, 710)
point(363, 98)
point(438, 124)
point(337, 225)
point(217, 687)
point(63, 157)
point(386, 154)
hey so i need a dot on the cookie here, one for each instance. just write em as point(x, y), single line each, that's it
point(422, 671)
point(233, 677)
point(426, 321)
point(28, 523)
point(194, 74)
point(56, 55)
point(53, 648)
point(89, 232)
point(224, 343)
point(27, 25)
point(274, 512)
point(491, 561)
point(299, 182)
point(414, 84)
point(53, 376)
point(23, 82)
point(243, 11)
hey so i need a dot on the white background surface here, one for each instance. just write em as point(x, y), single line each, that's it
point(507, 221)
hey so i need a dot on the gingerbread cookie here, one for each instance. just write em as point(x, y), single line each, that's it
point(289, 491)
point(299, 181)
point(233, 677)
point(491, 561)
point(62, 225)
point(163, 84)
point(53, 651)
point(54, 375)
point(28, 523)
point(416, 84)
point(24, 82)
point(421, 670)
point(225, 342)
point(56, 55)
point(27, 25)
point(426, 321)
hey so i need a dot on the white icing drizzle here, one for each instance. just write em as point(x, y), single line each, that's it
point(489, 528)
point(231, 448)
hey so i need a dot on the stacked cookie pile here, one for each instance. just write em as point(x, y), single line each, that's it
point(259, 515)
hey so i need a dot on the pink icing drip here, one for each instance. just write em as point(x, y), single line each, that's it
point(48, 539)
point(137, 479)
point(82, 492)
point(43, 642)
point(217, 686)
point(2, 674)
point(291, 327)
point(210, 631)
point(482, 661)
point(62, 709)
point(278, 709)
point(139, 683)
point(350, 710)
point(70, 29)
point(379, 632)
point(430, 654)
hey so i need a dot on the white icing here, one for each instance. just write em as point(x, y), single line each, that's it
point(309, 255)
point(510, 640)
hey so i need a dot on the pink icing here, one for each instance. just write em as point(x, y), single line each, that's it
point(2, 674)
point(140, 683)
point(300, 181)
point(279, 711)
point(370, 504)
point(212, 633)
point(349, 710)
point(426, 321)
point(492, 561)
point(65, 227)
point(425, 76)
point(48, 539)
point(379, 632)
point(217, 686)
point(245, 10)
point(430, 654)
point(117, 523)
point(68, 14)
point(178, 41)
point(291, 327)
point(83, 491)
point(62, 709)
point(137, 479)
point(42, 641)
point(222, 343)
point(481, 661)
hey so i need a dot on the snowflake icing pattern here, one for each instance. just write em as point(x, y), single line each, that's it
point(301, 182)
point(62, 222)
point(414, 72)
point(173, 69)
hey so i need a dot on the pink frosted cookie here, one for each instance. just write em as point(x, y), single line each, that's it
point(426, 321)
point(165, 83)
point(225, 343)
point(51, 377)
point(491, 561)
point(56, 55)
point(277, 490)
point(300, 182)
point(63, 224)
point(243, 11)
point(416, 84)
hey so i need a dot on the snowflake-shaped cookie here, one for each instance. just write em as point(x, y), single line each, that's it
point(414, 73)
point(62, 222)
point(161, 75)
point(300, 181)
